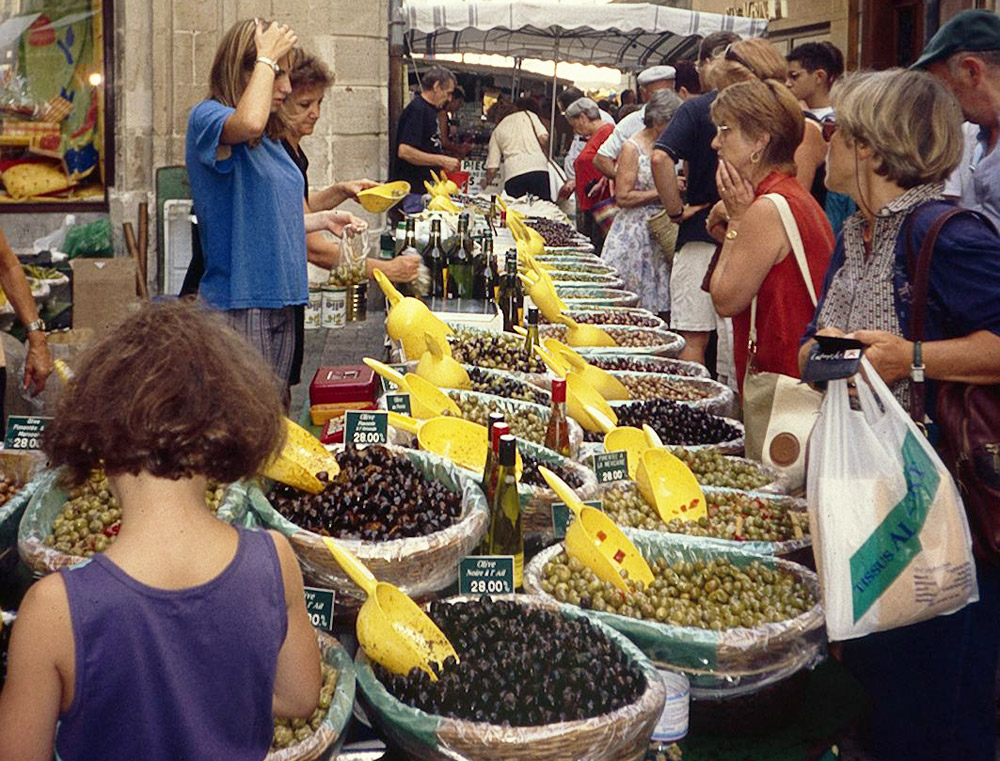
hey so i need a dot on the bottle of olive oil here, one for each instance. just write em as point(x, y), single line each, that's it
point(493, 426)
point(460, 264)
point(435, 260)
point(557, 433)
point(488, 279)
point(505, 535)
point(511, 297)
point(531, 339)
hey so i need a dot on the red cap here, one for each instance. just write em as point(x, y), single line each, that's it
point(499, 429)
point(558, 390)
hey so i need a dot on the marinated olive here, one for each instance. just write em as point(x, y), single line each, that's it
point(676, 424)
point(500, 351)
point(285, 734)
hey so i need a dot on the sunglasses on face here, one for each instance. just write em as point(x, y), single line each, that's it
point(829, 127)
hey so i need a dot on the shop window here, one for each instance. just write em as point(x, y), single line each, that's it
point(55, 129)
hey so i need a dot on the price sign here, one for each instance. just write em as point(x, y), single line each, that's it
point(611, 466)
point(319, 606)
point(486, 575)
point(362, 427)
point(24, 432)
point(561, 513)
point(398, 403)
point(387, 385)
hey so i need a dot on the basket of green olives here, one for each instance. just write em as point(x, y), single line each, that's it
point(527, 421)
point(629, 340)
point(494, 350)
point(502, 383)
point(732, 621)
point(579, 297)
point(635, 316)
point(322, 734)
point(410, 516)
point(62, 527)
point(535, 681)
point(760, 522)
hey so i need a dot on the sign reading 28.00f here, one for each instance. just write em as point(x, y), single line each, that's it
point(365, 427)
point(24, 432)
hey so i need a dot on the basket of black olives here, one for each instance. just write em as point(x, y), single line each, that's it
point(579, 297)
point(730, 620)
point(409, 516)
point(634, 316)
point(648, 364)
point(322, 734)
point(535, 681)
point(759, 522)
point(554, 232)
point(63, 526)
point(570, 279)
point(527, 421)
point(629, 340)
point(677, 425)
point(704, 393)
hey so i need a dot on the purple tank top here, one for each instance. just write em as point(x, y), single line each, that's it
point(175, 675)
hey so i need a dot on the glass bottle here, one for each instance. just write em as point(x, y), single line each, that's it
point(505, 535)
point(410, 238)
point(434, 258)
point(460, 281)
point(557, 433)
point(531, 339)
point(511, 297)
point(491, 278)
point(497, 428)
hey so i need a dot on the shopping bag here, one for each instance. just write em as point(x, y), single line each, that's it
point(890, 535)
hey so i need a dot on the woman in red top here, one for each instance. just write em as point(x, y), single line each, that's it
point(592, 187)
point(760, 126)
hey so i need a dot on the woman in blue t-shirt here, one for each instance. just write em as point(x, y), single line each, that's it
point(248, 194)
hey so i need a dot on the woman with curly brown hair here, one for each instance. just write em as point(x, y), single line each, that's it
point(187, 634)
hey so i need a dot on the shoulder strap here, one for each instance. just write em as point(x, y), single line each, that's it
point(798, 249)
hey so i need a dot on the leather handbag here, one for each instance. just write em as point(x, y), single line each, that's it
point(779, 411)
point(967, 416)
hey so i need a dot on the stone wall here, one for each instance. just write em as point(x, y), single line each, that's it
point(163, 54)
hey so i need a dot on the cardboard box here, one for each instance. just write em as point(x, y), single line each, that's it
point(103, 293)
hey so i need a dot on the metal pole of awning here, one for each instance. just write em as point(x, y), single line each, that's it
point(555, 87)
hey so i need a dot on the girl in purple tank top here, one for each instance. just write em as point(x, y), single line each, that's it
point(185, 637)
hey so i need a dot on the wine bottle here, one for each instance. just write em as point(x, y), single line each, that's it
point(505, 535)
point(491, 278)
point(531, 339)
point(557, 433)
point(434, 258)
point(410, 238)
point(460, 263)
point(511, 297)
point(496, 428)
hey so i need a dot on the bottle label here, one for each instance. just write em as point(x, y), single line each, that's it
point(487, 575)
point(611, 466)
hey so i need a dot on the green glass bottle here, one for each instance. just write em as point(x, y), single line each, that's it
point(460, 264)
point(505, 535)
point(434, 258)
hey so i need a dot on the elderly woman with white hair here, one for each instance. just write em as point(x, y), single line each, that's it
point(630, 246)
point(592, 188)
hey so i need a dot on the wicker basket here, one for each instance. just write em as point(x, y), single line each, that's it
point(649, 364)
point(732, 447)
point(666, 343)
point(46, 502)
point(718, 663)
point(325, 742)
point(716, 397)
point(419, 566)
point(571, 279)
point(566, 266)
point(581, 298)
point(622, 735)
point(617, 316)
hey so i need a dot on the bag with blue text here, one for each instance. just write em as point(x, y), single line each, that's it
point(890, 535)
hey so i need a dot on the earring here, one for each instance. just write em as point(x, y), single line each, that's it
point(755, 157)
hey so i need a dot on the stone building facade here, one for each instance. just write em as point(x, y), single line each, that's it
point(163, 51)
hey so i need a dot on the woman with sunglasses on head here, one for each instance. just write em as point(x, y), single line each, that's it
point(760, 126)
point(898, 137)
point(248, 193)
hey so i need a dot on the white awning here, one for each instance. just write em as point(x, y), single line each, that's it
point(626, 36)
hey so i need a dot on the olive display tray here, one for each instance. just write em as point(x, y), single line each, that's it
point(617, 316)
point(718, 663)
point(731, 447)
point(568, 280)
point(669, 343)
point(621, 735)
point(577, 297)
point(647, 363)
point(527, 379)
point(720, 401)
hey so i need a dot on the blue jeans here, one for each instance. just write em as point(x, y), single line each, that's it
point(932, 684)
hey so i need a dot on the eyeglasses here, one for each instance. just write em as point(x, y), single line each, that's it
point(829, 126)
point(732, 55)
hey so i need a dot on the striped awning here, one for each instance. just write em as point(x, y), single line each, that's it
point(627, 36)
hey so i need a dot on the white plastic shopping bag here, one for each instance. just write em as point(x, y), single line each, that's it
point(890, 536)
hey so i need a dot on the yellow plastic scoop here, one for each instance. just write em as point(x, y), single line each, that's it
point(437, 366)
point(391, 627)
point(669, 485)
point(300, 459)
point(426, 399)
point(555, 365)
point(463, 442)
point(383, 197)
point(409, 319)
point(625, 438)
point(581, 398)
point(603, 382)
point(597, 542)
point(543, 294)
point(582, 334)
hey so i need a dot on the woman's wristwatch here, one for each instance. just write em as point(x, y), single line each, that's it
point(34, 325)
point(273, 64)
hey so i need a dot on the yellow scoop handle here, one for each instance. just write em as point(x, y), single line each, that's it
point(652, 437)
point(434, 401)
point(604, 382)
point(354, 568)
point(404, 422)
point(388, 289)
point(581, 398)
point(388, 373)
point(597, 542)
point(606, 424)
point(551, 362)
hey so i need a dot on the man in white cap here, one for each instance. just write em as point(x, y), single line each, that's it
point(652, 79)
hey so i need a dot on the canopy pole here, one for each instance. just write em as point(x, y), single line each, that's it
point(555, 86)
